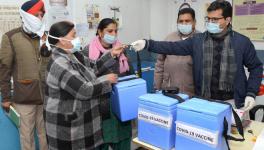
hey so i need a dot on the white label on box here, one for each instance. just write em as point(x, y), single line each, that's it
point(197, 134)
point(154, 118)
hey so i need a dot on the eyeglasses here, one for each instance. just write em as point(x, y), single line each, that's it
point(213, 19)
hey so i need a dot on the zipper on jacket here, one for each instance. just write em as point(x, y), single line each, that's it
point(38, 56)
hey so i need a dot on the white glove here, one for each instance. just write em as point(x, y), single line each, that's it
point(138, 45)
point(249, 103)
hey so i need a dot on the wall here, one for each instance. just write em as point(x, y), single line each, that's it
point(135, 16)
point(159, 18)
point(19, 2)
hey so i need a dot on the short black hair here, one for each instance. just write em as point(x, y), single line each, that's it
point(224, 5)
point(187, 11)
point(104, 23)
point(59, 29)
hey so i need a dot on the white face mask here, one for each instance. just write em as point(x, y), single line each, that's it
point(76, 43)
point(32, 23)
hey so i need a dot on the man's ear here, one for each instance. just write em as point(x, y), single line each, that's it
point(194, 24)
point(228, 20)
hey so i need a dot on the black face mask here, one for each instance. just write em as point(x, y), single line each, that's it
point(44, 51)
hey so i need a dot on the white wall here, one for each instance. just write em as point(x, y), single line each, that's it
point(159, 19)
point(135, 16)
point(136, 20)
point(19, 2)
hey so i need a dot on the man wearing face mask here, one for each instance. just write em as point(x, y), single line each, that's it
point(171, 70)
point(20, 59)
point(219, 56)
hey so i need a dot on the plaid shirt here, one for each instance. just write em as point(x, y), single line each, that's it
point(71, 106)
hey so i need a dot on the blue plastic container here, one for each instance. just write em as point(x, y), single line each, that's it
point(9, 135)
point(156, 117)
point(199, 125)
point(124, 98)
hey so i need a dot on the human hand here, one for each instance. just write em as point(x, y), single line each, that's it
point(116, 51)
point(138, 45)
point(249, 103)
point(112, 78)
point(6, 105)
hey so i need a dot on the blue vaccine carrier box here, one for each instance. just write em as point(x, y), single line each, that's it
point(124, 97)
point(156, 116)
point(200, 126)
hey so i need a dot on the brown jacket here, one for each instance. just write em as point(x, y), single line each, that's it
point(171, 70)
point(20, 59)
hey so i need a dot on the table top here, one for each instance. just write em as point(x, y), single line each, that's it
point(248, 144)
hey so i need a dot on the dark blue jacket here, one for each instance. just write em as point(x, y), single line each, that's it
point(245, 55)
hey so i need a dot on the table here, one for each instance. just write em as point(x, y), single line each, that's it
point(248, 144)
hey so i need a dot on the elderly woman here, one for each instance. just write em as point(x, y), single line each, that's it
point(72, 115)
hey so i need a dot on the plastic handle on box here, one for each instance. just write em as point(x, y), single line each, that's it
point(172, 92)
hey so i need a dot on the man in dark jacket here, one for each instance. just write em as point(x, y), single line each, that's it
point(219, 56)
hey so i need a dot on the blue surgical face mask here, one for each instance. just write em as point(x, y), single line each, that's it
point(76, 43)
point(213, 27)
point(185, 29)
point(110, 39)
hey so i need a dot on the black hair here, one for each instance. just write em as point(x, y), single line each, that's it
point(224, 5)
point(104, 23)
point(59, 29)
point(187, 11)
